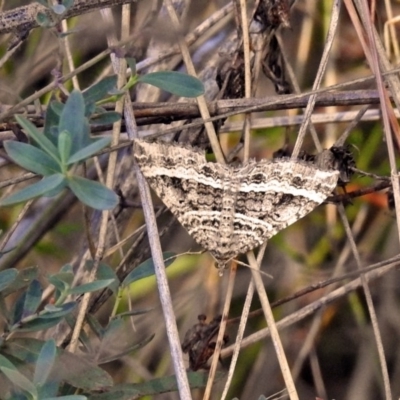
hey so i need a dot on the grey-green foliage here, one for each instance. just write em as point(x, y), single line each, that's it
point(26, 313)
point(52, 366)
point(64, 143)
point(177, 83)
point(45, 382)
point(54, 154)
point(37, 369)
point(146, 269)
point(174, 82)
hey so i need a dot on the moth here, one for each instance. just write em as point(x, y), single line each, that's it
point(230, 210)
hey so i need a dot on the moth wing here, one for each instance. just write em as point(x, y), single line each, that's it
point(187, 184)
point(274, 194)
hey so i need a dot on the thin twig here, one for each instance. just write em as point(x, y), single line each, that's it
point(221, 331)
point(309, 342)
point(162, 282)
point(378, 270)
point(242, 325)
point(321, 70)
point(23, 19)
point(18, 179)
point(205, 114)
point(266, 306)
point(247, 76)
point(385, 105)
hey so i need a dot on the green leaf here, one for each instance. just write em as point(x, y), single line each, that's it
point(38, 137)
point(32, 298)
point(91, 287)
point(61, 286)
point(5, 362)
point(52, 119)
point(57, 107)
point(90, 109)
point(54, 192)
point(45, 185)
point(100, 89)
point(17, 309)
point(62, 280)
point(174, 82)
point(125, 351)
point(106, 272)
point(45, 362)
point(50, 311)
point(7, 277)
point(105, 118)
point(31, 158)
point(146, 269)
point(11, 372)
point(95, 326)
point(131, 64)
point(48, 390)
point(67, 268)
point(64, 146)
point(73, 369)
point(20, 380)
point(114, 329)
point(43, 20)
point(45, 320)
point(92, 193)
point(152, 387)
point(23, 279)
point(73, 120)
point(89, 150)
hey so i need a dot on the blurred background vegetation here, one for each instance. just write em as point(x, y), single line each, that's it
point(333, 350)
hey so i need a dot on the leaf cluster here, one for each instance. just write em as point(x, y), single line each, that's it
point(65, 141)
point(36, 369)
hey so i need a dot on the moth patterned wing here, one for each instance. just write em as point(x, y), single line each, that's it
point(231, 210)
point(274, 195)
point(155, 155)
point(166, 168)
point(188, 185)
point(211, 221)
